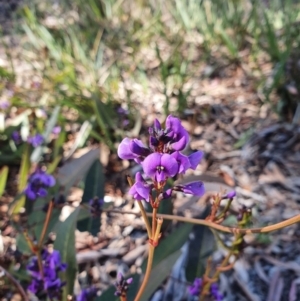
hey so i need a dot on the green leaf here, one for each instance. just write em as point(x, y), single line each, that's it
point(75, 169)
point(38, 151)
point(94, 187)
point(159, 274)
point(3, 179)
point(65, 243)
point(23, 177)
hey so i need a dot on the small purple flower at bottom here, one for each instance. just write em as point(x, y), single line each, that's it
point(122, 285)
point(38, 183)
point(56, 130)
point(16, 137)
point(96, 205)
point(87, 294)
point(36, 140)
point(140, 190)
point(48, 282)
point(196, 288)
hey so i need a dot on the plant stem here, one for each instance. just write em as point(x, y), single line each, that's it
point(150, 259)
point(147, 273)
point(215, 276)
point(146, 220)
point(154, 214)
point(280, 225)
point(45, 227)
point(15, 283)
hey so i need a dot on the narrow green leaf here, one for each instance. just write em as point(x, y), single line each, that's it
point(23, 177)
point(94, 187)
point(3, 178)
point(65, 243)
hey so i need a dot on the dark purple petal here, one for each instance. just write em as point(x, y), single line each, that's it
point(173, 123)
point(138, 148)
point(195, 159)
point(157, 125)
point(42, 192)
point(31, 195)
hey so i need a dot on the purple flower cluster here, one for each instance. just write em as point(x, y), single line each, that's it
point(38, 183)
point(87, 294)
point(46, 281)
point(122, 285)
point(162, 160)
point(36, 140)
point(196, 287)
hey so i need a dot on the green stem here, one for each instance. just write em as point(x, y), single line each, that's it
point(146, 220)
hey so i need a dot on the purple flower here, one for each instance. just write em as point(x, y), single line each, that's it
point(36, 140)
point(16, 137)
point(132, 149)
point(38, 183)
point(96, 205)
point(160, 166)
point(4, 104)
point(46, 282)
point(87, 294)
point(196, 287)
point(140, 190)
point(195, 159)
point(195, 188)
point(178, 134)
point(183, 162)
point(230, 195)
point(122, 285)
point(56, 130)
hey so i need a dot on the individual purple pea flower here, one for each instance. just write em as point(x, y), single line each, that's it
point(231, 194)
point(16, 137)
point(183, 162)
point(96, 205)
point(36, 140)
point(46, 281)
point(196, 287)
point(87, 294)
point(4, 104)
point(160, 166)
point(214, 291)
point(140, 190)
point(194, 188)
point(122, 285)
point(132, 149)
point(38, 183)
point(178, 134)
point(56, 130)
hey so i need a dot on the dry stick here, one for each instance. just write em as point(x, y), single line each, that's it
point(280, 225)
point(15, 283)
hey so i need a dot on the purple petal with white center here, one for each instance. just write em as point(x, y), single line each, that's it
point(195, 159)
point(151, 163)
point(170, 165)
